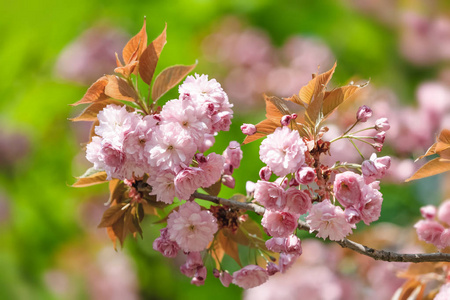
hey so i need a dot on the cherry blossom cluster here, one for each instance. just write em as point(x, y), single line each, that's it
point(435, 228)
point(128, 145)
point(331, 209)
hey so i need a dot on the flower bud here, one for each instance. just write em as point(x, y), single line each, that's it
point(248, 129)
point(382, 124)
point(378, 146)
point(272, 268)
point(265, 173)
point(285, 120)
point(225, 278)
point(379, 137)
point(428, 212)
point(364, 113)
point(216, 273)
point(228, 169)
point(250, 187)
point(228, 181)
point(305, 175)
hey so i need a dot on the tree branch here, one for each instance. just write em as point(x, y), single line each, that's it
point(345, 243)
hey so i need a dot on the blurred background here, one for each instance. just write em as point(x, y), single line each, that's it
point(51, 51)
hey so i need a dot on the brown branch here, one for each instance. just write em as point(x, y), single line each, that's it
point(345, 243)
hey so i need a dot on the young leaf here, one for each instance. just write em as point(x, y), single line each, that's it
point(443, 141)
point(91, 177)
point(214, 189)
point(119, 88)
point(169, 78)
point(150, 56)
point(263, 128)
point(117, 232)
point(112, 215)
point(229, 246)
point(336, 97)
point(96, 92)
point(314, 111)
point(147, 63)
point(248, 234)
point(308, 92)
point(433, 167)
point(296, 99)
point(127, 70)
point(90, 113)
point(134, 48)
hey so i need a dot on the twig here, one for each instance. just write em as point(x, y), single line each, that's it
point(345, 243)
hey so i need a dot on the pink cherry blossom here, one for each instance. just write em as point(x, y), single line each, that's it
point(279, 224)
point(305, 175)
point(233, 154)
point(270, 194)
point(276, 244)
point(169, 147)
point(352, 215)
point(163, 186)
point(248, 129)
point(163, 244)
point(212, 169)
point(250, 276)
point(293, 245)
point(283, 151)
point(364, 113)
point(286, 261)
point(192, 228)
point(297, 201)
point(430, 232)
point(228, 181)
point(329, 221)
point(199, 276)
point(445, 238)
point(193, 263)
point(370, 205)
point(187, 181)
point(444, 212)
point(347, 188)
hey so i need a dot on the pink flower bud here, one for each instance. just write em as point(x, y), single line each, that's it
point(228, 181)
point(293, 182)
point(305, 175)
point(272, 268)
point(382, 124)
point(225, 278)
point(233, 154)
point(379, 137)
point(248, 129)
point(428, 212)
point(228, 169)
point(265, 173)
point(282, 182)
point(352, 215)
point(444, 212)
point(293, 245)
point(199, 277)
point(250, 187)
point(364, 113)
point(378, 146)
point(216, 273)
point(285, 120)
